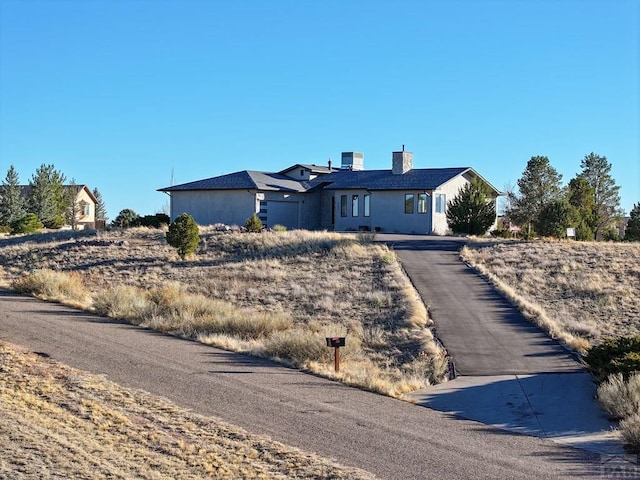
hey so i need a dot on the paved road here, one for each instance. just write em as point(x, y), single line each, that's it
point(390, 438)
point(483, 332)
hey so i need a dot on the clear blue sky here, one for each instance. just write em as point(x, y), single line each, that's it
point(126, 95)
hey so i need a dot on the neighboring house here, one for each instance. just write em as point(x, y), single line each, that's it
point(402, 200)
point(84, 206)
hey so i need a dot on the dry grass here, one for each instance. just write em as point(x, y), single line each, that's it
point(58, 422)
point(275, 294)
point(580, 292)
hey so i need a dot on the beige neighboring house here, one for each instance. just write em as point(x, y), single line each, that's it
point(84, 206)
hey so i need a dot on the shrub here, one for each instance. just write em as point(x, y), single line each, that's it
point(183, 235)
point(27, 224)
point(154, 221)
point(5, 229)
point(126, 218)
point(253, 224)
point(279, 228)
point(615, 355)
point(618, 397)
point(630, 430)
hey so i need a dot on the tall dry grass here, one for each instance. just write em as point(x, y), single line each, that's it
point(275, 294)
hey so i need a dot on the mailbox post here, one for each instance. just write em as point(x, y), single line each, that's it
point(336, 343)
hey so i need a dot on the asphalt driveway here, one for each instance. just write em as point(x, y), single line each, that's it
point(483, 332)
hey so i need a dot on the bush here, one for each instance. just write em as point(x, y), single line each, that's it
point(253, 224)
point(630, 430)
point(615, 355)
point(27, 224)
point(183, 235)
point(5, 229)
point(154, 221)
point(126, 218)
point(618, 397)
point(279, 228)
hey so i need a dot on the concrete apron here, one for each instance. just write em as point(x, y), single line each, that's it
point(556, 406)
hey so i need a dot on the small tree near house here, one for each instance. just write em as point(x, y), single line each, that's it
point(184, 235)
point(473, 210)
point(253, 224)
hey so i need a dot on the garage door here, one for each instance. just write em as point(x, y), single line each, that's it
point(282, 213)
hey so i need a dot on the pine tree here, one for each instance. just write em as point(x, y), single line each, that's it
point(73, 210)
point(12, 204)
point(632, 233)
point(580, 195)
point(538, 186)
point(47, 199)
point(184, 235)
point(101, 209)
point(473, 210)
point(597, 171)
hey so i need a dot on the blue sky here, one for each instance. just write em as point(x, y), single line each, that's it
point(127, 95)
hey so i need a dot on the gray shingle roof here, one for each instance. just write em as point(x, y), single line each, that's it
point(246, 179)
point(416, 179)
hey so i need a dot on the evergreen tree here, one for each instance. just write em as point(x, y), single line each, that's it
point(73, 210)
point(46, 198)
point(554, 219)
point(126, 218)
point(597, 171)
point(12, 204)
point(538, 186)
point(101, 209)
point(632, 233)
point(580, 195)
point(473, 210)
point(184, 235)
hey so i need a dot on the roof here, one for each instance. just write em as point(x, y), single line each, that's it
point(313, 168)
point(244, 180)
point(416, 179)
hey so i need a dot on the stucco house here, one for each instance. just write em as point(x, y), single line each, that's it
point(400, 200)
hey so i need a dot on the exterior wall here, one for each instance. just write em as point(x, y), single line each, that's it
point(387, 213)
point(231, 207)
point(451, 190)
point(88, 218)
point(350, 222)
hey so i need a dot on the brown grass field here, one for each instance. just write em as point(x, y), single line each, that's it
point(58, 422)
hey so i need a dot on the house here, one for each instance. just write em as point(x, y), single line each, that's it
point(400, 200)
point(84, 206)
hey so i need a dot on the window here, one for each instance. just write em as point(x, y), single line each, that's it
point(85, 209)
point(343, 205)
point(422, 203)
point(408, 203)
point(354, 205)
point(367, 205)
point(302, 173)
point(441, 202)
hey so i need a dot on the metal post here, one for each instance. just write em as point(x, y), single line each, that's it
point(337, 359)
